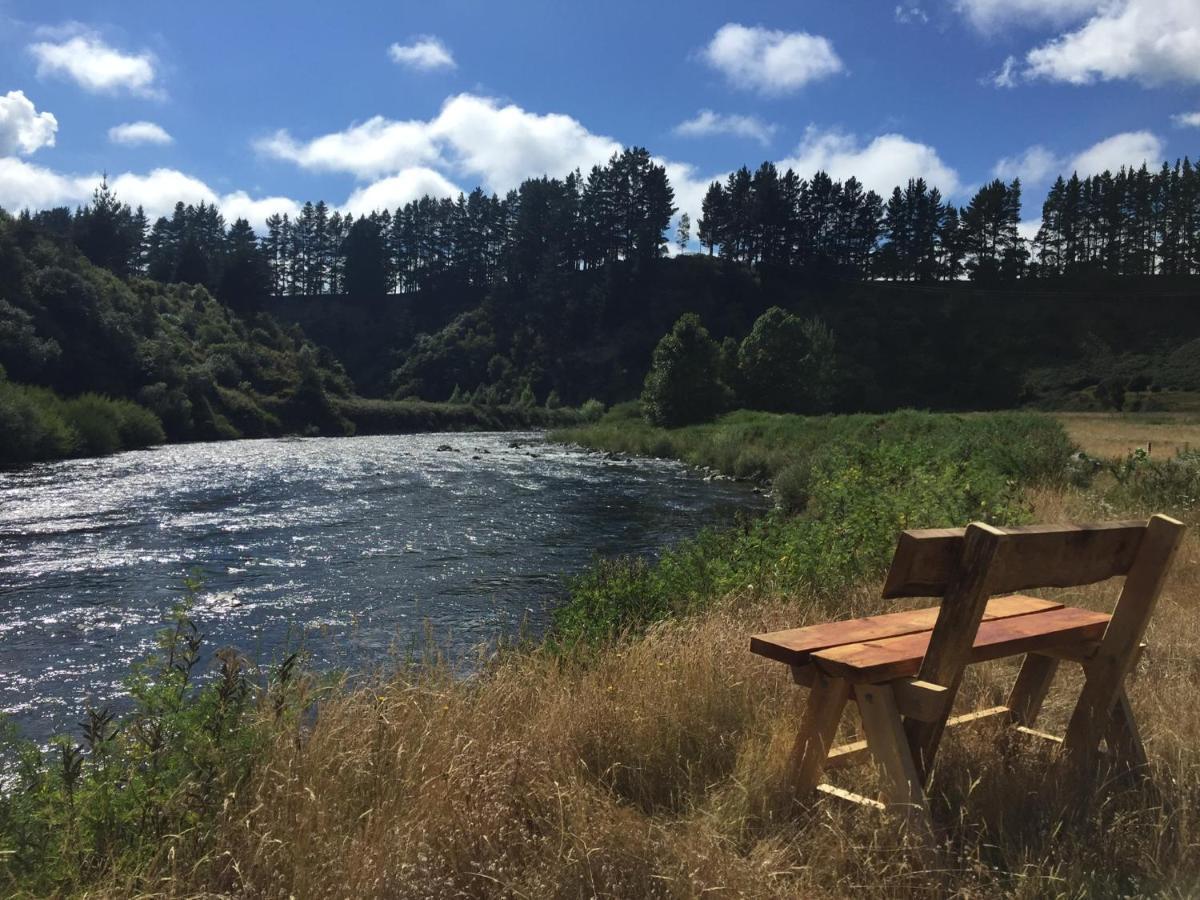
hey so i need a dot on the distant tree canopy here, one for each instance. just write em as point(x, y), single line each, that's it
point(1133, 222)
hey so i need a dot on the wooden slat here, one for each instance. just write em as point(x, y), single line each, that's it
point(1031, 556)
point(795, 646)
point(850, 796)
point(901, 657)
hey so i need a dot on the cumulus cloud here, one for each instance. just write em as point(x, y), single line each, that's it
point(769, 61)
point(1039, 165)
point(1149, 41)
point(885, 162)
point(132, 134)
point(1186, 120)
point(95, 66)
point(397, 190)
point(1130, 148)
point(426, 53)
point(987, 15)
point(472, 137)
point(707, 123)
point(372, 148)
point(1036, 165)
point(22, 128)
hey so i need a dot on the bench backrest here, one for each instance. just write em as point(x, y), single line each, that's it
point(966, 566)
point(1029, 556)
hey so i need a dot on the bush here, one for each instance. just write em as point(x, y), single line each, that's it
point(683, 386)
point(32, 426)
point(786, 364)
point(96, 422)
point(137, 426)
point(591, 411)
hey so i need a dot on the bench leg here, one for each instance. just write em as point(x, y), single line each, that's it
point(1124, 739)
point(822, 714)
point(1032, 685)
point(889, 745)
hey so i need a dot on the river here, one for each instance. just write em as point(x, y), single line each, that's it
point(356, 547)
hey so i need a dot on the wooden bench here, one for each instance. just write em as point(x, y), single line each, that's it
point(903, 669)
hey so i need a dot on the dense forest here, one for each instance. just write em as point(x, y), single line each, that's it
point(560, 290)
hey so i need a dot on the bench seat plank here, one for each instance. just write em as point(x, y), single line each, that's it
point(900, 657)
point(795, 646)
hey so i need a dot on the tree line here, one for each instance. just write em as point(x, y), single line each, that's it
point(1133, 222)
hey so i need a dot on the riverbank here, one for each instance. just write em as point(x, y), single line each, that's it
point(38, 425)
point(556, 772)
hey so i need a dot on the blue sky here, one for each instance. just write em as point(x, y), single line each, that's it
point(259, 106)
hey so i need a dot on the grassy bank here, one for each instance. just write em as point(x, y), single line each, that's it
point(649, 765)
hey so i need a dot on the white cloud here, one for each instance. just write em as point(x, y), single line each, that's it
point(375, 147)
point(132, 134)
point(1035, 166)
point(989, 15)
point(1186, 120)
point(472, 137)
point(1130, 148)
point(911, 14)
point(505, 145)
point(772, 62)
point(399, 189)
point(1151, 41)
point(887, 161)
point(27, 186)
point(1029, 228)
point(706, 123)
point(22, 128)
point(240, 205)
point(1006, 77)
point(425, 53)
point(95, 66)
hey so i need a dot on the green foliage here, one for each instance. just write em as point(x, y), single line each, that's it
point(200, 369)
point(412, 416)
point(1152, 486)
point(37, 424)
point(591, 410)
point(683, 385)
point(786, 364)
point(856, 481)
point(149, 782)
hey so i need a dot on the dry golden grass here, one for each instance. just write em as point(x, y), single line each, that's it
point(1110, 435)
point(656, 770)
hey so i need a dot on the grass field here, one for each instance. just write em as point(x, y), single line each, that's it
point(652, 764)
point(1108, 435)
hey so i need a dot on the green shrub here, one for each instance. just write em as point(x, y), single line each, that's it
point(32, 425)
point(137, 426)
point(683, 385)
point(591, 411)
point(97, 422)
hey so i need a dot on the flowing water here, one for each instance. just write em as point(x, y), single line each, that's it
point(354, 545)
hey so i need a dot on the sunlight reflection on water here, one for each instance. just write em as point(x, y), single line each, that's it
point(355, 543)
